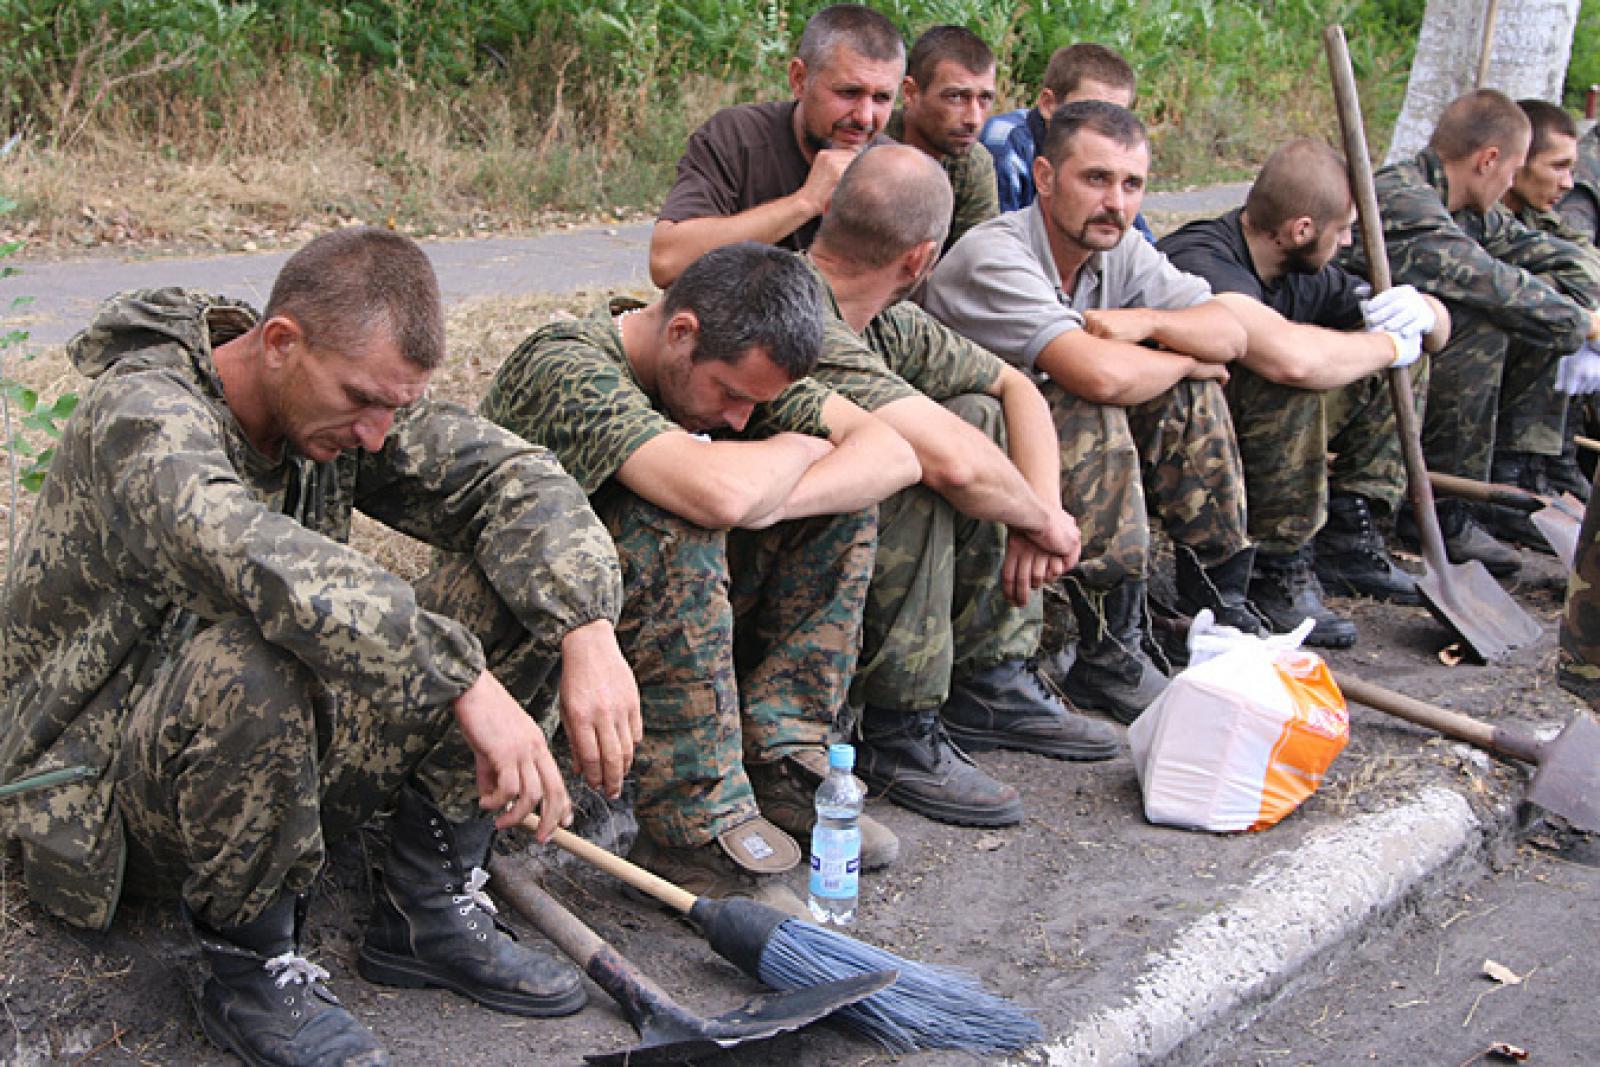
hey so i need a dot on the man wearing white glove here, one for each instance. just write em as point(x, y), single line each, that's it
point(1310, 382)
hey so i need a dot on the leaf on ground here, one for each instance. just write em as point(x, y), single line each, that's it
point(1451, 655)
point(1501, 973)
point(1505, 1050)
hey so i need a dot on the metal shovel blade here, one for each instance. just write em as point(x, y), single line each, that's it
point(1568, 780)
point(1557, 519)
point(1560, 530)
point(1466, 600)
point(671, 1034)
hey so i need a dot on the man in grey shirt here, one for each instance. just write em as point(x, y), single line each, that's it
point(1134, 353)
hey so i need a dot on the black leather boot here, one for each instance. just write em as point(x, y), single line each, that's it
point(1009, 706)
point(266, 1004)
point(1285, 589)
point(1525, 471)
point(1351, 558)
point(1111, 673)
point(1222, 587)
point(432, 924)
point(907, 757)
point(1464, 538)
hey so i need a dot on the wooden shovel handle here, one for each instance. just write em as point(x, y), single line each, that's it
point(1450, 723)
point(580, 943)
point(1485, 492)
point(1366, 197)
point(672, 896)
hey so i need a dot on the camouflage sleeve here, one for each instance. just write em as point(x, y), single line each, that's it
point(564, 393)
point(1429, 250)
point(1581, 279)
point(457, 481)
point(1580, 210)
point(162, 476)
point(977, 196)
point(798, 409)
point(853, 370)
point(936, 360)
point(1551, 256)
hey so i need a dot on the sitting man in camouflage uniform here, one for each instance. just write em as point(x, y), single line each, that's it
point(1307, 385)
point(1135, 352)
point(948, 90)
point(746, 553)
point(954, 611)
point(1546, 196)
point(1518, 299)
point(204, 687)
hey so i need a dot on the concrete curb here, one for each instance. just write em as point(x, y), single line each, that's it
point(1309, 901)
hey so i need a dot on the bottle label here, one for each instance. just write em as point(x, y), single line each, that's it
point(835, 862)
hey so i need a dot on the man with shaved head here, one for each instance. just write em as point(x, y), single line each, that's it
point(1519, 300)
point(954, 611)
point(1308, 384)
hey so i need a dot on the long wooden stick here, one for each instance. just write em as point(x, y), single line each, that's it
point(1489, 16)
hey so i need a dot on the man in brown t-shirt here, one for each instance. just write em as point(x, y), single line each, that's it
point(764, 172)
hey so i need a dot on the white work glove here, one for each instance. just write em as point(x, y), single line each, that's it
point(1407, 348)
point(1579, 373)
point(1399, 310)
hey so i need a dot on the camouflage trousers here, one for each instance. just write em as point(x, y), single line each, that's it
point(1285, 435)
point(1486, 391)
point(936, 610)
point(1578, 654)
point(1172, 459)
point(239, 765)
point(742, 643)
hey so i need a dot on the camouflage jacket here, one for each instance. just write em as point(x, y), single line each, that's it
point(158, 517)
point(1556, 224)
point(977, 198)
point(1531, 285)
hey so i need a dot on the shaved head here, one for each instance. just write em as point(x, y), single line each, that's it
point(891, 199)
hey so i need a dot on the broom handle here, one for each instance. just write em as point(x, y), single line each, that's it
point(672, 896)
point(1366, 196)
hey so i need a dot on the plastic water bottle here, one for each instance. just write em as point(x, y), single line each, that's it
point(836, 841)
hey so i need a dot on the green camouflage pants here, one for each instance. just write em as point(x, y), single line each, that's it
point(1173, 459)
point(1578, 658)
point(936, 609)
point(239, 765)
point(1285, 435)
point(1484, 387)
point(742, 644)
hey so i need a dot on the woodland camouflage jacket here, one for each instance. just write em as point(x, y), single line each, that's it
point(158, 517)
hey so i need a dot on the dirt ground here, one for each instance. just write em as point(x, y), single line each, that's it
point(1058, 912)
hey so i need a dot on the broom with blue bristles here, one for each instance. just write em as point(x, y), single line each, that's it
point(927, 1007)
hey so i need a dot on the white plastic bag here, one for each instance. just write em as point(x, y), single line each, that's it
point(1241, 736)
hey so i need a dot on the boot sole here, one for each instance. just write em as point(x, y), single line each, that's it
point(1338, 587)
point(988, 740)
point(1316, 640)
point(223, 1036)
point(406, 972)
point(939, 811)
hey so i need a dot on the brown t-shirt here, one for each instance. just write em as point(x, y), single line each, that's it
point(742, 157)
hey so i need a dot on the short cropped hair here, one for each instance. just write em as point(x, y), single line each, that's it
point(889, 200)
point(1108, 120)
point(752, 296)
point(1073, 64)
point(865, 31)
point(1486, 118)
point(955, 43)
point(1301, 178)
point(1547, 121)
point(346, 286)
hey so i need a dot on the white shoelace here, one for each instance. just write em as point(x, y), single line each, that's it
point(292, 968)
point(476, 880)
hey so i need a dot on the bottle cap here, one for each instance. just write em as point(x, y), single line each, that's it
point(842, 756)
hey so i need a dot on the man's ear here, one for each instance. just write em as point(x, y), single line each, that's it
point(919, 259)
point(279, 335)
point(1487, 156)
point(684, 327)
point(1047, 103)
point(1300, 230)
point(797, 76)
point(909, 91)
point(1044, 174)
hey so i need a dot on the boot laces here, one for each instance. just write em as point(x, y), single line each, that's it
point(292, 967)
point(474, 895)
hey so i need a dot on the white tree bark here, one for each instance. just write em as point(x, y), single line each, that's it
point(1528, 57)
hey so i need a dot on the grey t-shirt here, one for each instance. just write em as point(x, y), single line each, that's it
point(999, 285)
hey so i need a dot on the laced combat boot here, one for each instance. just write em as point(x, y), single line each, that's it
point(1464, 538)
point(907, 757)
point(786, 790)
point(1351, 558)
point(433, 925)
point(1285, 589)
point(267, 1004)
point(1222, 587)
point(1009, 706)
point(1111, 673)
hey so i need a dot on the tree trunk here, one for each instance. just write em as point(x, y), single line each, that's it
point(1528, 57)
